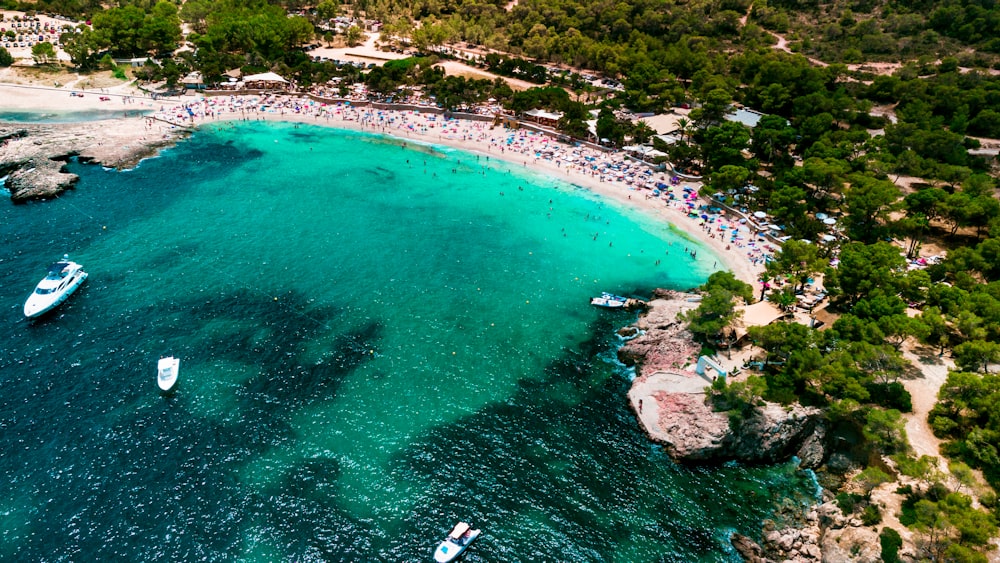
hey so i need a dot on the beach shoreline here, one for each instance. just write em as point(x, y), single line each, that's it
point(154, 124)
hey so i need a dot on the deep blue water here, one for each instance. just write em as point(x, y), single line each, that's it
point(375, 342)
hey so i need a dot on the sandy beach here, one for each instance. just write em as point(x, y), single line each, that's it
point(608, 175)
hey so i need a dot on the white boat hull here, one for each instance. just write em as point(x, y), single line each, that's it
point(54, 289)
point(607, 303)
point(166, 372)
point(452, 547)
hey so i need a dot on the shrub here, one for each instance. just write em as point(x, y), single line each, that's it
point(908, 510)
point(847, 503)
point(871, 515)
point(107, 63)
point(890, 542)
point(989, 500)
point(890, 395)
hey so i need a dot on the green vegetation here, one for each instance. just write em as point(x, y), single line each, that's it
point(835, 139)
point(951, 528)
point(852, 32)
point(43, 53)
point(967, 415)
point(718, 305)
point(890, 541)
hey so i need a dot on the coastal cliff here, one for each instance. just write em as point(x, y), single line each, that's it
point(673, 407)
point(33, 156)
point(672, 403)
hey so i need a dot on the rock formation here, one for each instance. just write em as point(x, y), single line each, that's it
point(823, 534)
point(672, 407)
point(33, 156)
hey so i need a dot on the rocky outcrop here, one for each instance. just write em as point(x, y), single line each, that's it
point(798, 542)
point(663, 341)
point(821, 535)
point(33, 156)
point(38, 179)
point(857, 544)
point(747, 548)
point(672, 407)
point(692, 431)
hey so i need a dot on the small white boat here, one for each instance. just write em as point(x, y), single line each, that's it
point(458, 539)
point(63, 278)
point(166, 372)
point(609, 301)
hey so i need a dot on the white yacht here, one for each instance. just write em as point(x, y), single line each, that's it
point(63, 278)
point(609, 301)
point(166, 372)
point(458, 539)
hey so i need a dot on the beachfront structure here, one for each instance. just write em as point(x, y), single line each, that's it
point(665, 123)
point(668, 139)
point(265, 81)
point(644, 153)
point(543, 117)
point(761, 313)
point(193, 81)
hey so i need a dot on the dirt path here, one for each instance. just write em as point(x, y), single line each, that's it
point(924, 392)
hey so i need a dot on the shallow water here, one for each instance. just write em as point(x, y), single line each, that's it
point(375, 341)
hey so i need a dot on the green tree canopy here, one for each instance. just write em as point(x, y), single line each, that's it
point(864, 268)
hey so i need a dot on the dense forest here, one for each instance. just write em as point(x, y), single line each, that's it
point(835, 139)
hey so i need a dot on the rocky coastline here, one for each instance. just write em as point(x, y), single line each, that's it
point(670, 399)
point(671, 402)
point(33, 156)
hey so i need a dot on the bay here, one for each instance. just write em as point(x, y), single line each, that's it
point(377, 338)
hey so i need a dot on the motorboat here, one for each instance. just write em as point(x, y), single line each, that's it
point(609, 301)
point(166, 372)
point(63, 278)
point(460, 537)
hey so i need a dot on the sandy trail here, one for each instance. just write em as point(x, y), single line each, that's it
point(923, 393)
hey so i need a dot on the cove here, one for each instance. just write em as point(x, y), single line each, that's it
point(376, 341)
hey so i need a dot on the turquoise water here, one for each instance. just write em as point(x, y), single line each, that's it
point(376, 340)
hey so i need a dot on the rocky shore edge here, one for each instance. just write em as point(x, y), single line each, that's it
point(670, 399)
point(670, 402)
point(33, 157)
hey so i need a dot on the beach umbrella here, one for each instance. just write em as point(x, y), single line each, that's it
point(829, 221)
point(759, 214)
